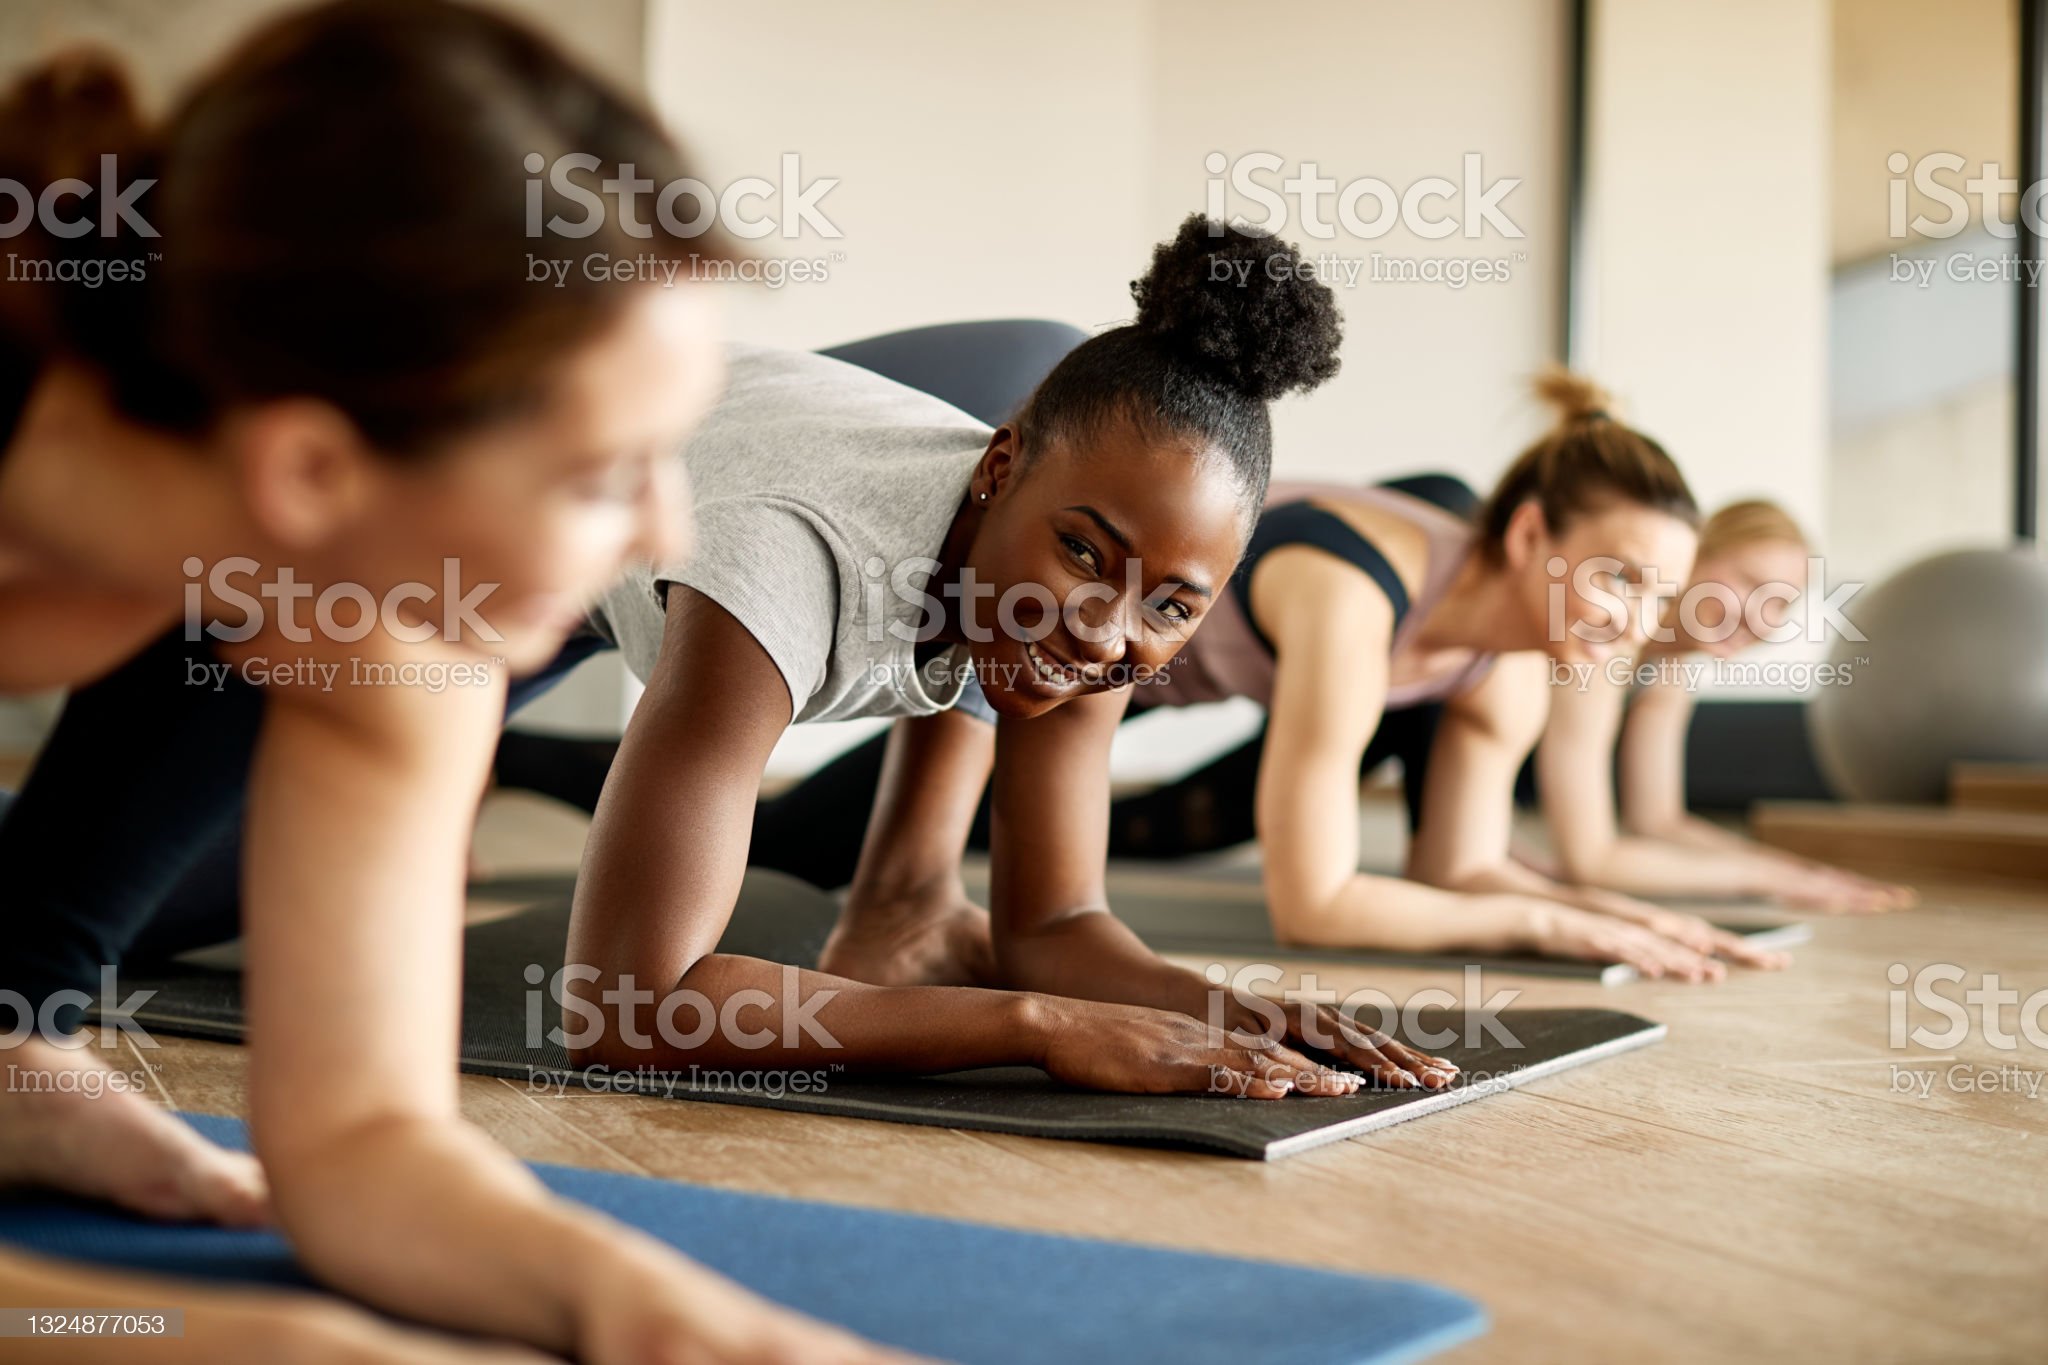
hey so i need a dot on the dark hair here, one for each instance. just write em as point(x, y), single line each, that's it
point(1586, 459)
point(342, 210)
point(1228, 320)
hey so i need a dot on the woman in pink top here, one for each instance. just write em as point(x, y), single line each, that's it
point(1372, 623)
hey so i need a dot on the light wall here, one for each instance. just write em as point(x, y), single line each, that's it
point(1913, 77)
point(1707, 218)
point(1022, 160)
point(167, 41)
point(1434, 377)
point(1005, 161)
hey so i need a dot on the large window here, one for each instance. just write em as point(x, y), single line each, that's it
point(1925, 289)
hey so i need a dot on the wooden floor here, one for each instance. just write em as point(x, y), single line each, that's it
point(1757, 1187)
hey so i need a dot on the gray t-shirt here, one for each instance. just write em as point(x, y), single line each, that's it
point(819, 487)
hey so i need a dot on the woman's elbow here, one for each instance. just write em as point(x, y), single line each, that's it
point(1317, 920)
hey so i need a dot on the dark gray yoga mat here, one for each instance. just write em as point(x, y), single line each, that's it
point(1220, 911)
point(785, 921)
point(1217, 910)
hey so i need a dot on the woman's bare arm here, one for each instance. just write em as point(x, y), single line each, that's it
point(933, 776)
point(662, 871)
point(1054, 931)
point(1332, 629)
point(1654, 813)
point(360, 806)
point(1049, 843)
point(1574, 767)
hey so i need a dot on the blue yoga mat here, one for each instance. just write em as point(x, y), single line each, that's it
point(956, 1291)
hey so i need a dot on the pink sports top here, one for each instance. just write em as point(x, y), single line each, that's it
point(1230, 657)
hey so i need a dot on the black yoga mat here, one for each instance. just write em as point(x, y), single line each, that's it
point(786, 921)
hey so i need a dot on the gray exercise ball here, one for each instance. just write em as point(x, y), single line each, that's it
point(1954, 667)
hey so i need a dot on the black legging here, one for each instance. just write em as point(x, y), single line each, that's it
point(143, 775)
point(124, 843)
point(814, 830)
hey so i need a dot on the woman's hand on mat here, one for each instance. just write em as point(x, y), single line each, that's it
point(1559, 930)
point(650, 1306)
point(1833, 891)
point(1326, 1029)
point(1692, 931)
point(1142, 1051)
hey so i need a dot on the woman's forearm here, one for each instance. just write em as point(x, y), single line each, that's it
point(428, 1219)
point(933, 774)
point(1406, 916)
point(1698, 832)
point(1651, 867)
point(1092, 955)
point(746, 1013)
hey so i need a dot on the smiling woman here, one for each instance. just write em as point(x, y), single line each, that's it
point(866, 549)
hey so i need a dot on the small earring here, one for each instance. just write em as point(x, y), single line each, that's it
point(984, 497)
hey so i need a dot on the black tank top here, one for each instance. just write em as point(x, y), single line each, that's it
point(1304, 523)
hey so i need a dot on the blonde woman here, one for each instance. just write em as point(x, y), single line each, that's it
point(1648, 843)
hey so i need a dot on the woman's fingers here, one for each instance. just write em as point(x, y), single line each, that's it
point(1876, 898)
point(1709, 940)
point(1278, 1062)
point(1692, 965)
point(1835, 891)
point(1246, 1072)
point(1308, 1078)
point(1736, 948)
point(1659, 957)
point(1394, 1063)
point(1434, 1072)
point(1375, 1053)
point(1378, 1064)
point(1242, 1080)
point(1689, 930)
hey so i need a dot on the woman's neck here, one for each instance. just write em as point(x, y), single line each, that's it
point(93, 496)
point(952, 559)
point(1478, 611)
